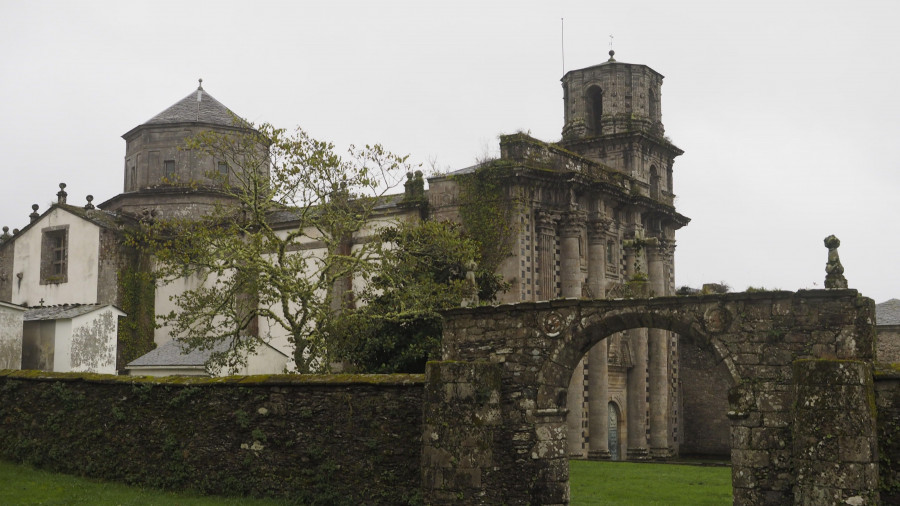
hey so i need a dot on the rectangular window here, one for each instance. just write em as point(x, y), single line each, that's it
point(223, 169)
point(612, 264)
point(54, 255)
point(169, 169)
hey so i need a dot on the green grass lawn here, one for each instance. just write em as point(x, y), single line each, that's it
point(627, 483)
point(614, 483)
point(22, 484)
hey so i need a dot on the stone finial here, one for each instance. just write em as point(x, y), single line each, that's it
point(414, 189)
point(834, 271)
point(34, 214)
point(200, 86)
point(612, 55)
point(61, 194)
point(90, 200)
point(5, 234)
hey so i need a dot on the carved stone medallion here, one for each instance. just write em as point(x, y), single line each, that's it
point(716, 319)
point(553, 324)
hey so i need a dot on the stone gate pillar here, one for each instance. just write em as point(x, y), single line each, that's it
point(546, 237)
point(834, 434)
point(571, 230)
point(461, 419)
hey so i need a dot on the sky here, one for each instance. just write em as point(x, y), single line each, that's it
point(786, 110)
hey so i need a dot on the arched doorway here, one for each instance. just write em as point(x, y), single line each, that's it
point(495, 407)
point(613, 432)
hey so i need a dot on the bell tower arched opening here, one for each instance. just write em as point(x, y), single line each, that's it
point(594, 102)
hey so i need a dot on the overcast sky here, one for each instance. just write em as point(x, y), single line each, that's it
point(786, 110)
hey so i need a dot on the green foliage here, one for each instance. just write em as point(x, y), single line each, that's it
point(422, 271)
point(137, 289)
point(246, 268)
point(489, 212)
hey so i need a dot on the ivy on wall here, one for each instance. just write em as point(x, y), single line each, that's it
point(137, 294)
point(275, 436)
point(488, 211)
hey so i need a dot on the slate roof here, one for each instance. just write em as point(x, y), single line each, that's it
point(172, 354)
point(62, 311)
point(188, 110)
point(288, 215)
point(888, 312)
point(98, 217)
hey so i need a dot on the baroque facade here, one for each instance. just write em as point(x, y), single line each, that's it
point(592, 216)
point(596, 219)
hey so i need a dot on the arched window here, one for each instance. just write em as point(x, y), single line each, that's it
point(654, 182)
point(594, 109)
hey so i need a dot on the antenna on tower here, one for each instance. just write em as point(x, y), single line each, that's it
point(562, 42)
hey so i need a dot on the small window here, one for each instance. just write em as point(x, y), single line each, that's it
point(54, 255)
point(612, 266)
point(223, 169)
point(169, 169)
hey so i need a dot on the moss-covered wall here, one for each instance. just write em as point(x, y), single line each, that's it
point(340, 439)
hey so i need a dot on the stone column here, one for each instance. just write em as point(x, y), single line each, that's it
point(575, 405)
point(545, 222)
point(637, 396)
point(598, 356)
point(596, 233)
point(598, 401)
point(570, 232)
point(659, 364)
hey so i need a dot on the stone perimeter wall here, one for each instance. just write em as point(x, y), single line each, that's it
point(339, 439)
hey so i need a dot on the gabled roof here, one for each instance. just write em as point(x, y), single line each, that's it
point(888, 312)
point(99, 217)
point(172, 354)
point(64, 311)
point(198, 107)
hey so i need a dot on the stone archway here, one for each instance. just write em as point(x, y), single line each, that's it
point(495, 411)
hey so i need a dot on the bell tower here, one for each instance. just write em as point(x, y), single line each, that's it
point(613, 115)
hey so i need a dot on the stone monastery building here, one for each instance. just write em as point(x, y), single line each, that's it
point(594, 218)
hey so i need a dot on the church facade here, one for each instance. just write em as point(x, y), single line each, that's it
point(591, 216)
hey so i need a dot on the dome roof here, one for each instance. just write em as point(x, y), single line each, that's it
point(199, 106)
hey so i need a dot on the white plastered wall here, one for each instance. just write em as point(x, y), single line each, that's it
point(92, 341)
point(83, 249)
point(11, 326)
